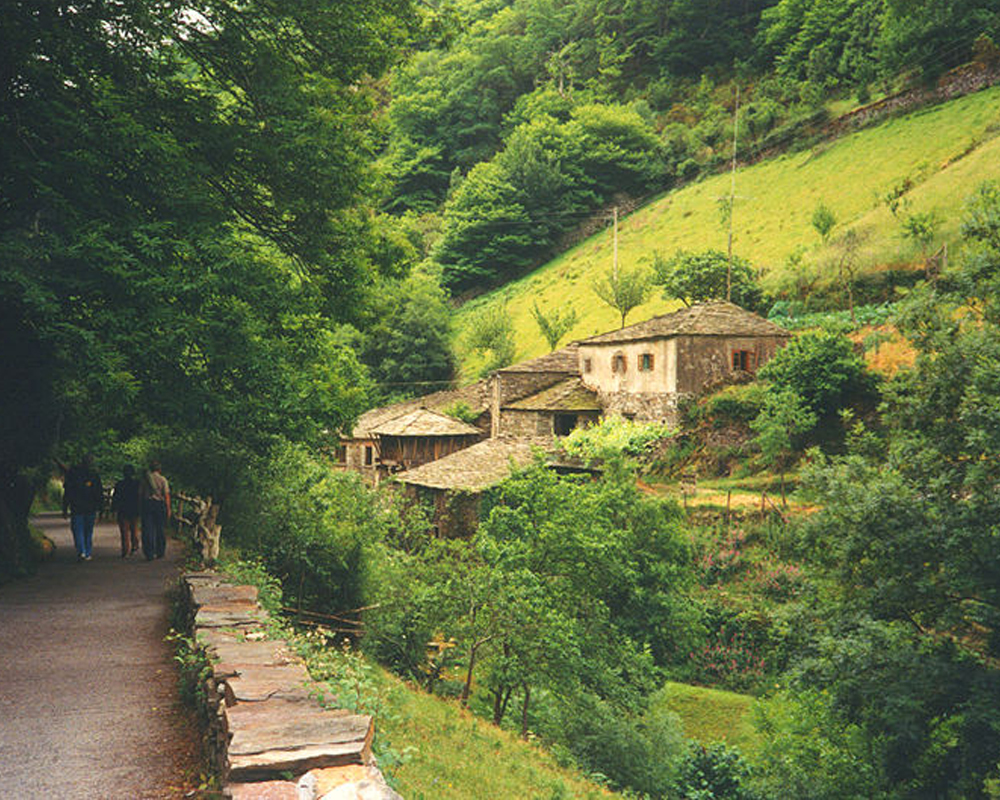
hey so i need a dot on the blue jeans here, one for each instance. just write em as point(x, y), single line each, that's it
point(154, 520)
point(82, 526)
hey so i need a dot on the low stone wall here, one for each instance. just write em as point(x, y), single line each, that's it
point(268, 735)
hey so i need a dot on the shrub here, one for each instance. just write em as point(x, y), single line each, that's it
point(722, 558)
point(635, 752)
point(730, 660)
point(715, 772)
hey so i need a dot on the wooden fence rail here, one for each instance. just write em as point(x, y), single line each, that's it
point(201, 517)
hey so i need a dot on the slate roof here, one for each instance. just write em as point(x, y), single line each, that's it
point(475, 396)
point(567, 395)
point(478, 467)
point(424, 422)
point(716, 318)
point(562, 360)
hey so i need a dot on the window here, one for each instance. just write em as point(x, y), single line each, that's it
point(743, 360)
point(369, 455)
point(563, 424)
point(618, 364)
point(646, 362)
point(588, 365)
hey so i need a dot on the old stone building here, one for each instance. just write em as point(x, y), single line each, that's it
point(641, 372)
point(644, 370)
point(390, 438)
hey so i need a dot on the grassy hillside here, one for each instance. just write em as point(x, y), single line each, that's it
point(944, 151)
point(449, 753)
point(711, 715)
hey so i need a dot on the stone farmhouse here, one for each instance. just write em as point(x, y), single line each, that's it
point(641, 372)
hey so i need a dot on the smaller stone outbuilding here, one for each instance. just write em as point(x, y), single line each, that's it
point(454, 484)
point(399, 436)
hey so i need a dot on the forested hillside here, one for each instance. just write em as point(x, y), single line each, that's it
point(520, 120)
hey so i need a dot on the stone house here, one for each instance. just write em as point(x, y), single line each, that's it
point(644, 370)
point(453, 486)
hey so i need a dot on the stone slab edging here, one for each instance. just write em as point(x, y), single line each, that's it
point(268, 737)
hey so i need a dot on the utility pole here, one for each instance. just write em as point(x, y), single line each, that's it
point(732, 198)
point(615, 262)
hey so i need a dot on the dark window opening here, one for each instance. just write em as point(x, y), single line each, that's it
point(646, 362)
point(587, 365)
point(341, 454)
point(743, 360)
point(618, 364)
point(564, 424)
point(369, 455)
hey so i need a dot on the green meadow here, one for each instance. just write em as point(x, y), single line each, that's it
point(942, 152)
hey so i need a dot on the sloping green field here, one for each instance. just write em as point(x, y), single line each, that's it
point(944, 151)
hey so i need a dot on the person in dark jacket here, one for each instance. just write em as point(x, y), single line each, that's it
point(125, 504)
point(82, 498)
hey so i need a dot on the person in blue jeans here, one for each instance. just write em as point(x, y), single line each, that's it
point(82, 498)
point(155, 493)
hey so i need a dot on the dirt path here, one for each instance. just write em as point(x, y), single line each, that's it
point(88, 694)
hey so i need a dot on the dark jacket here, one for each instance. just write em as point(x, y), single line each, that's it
point(125, 499)
point(82, 491)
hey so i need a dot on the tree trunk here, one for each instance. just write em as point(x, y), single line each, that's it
point(16, 494)
point(524, 711)
point(468, 675)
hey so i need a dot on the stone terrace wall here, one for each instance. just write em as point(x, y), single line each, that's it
point(265, 723)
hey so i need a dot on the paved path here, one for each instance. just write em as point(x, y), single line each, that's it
point(88, 694)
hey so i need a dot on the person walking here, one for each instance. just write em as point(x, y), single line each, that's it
point(125, 504)
point(82, 499)
point(155, 494)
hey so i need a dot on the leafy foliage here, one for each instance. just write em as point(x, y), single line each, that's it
point(554, 325)
point(178, 225)
point(823, 370)
point(623, 290)
point(697, 277)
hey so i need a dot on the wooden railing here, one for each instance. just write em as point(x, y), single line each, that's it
point(200, 516)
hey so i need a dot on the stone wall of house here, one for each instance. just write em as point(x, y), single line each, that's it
point(508, 387)
point(647, 407)
point(599, 372)
point(268, 734)
point(517, 422)
point(354, 460)
point(706, 360)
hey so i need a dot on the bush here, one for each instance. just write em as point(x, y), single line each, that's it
point(824, 371)
point(729, 660)
point(635, 752)
point(715, 772)
point(310, 527)
point(733, 404)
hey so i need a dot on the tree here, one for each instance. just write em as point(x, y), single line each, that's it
point(554, 325)
point(824, 371)
point(783, 418)
point(823, 220)
point(697, 277)
point(491, 333)
point(623, 290)
point(906, 652)
point(407, 344)
point(179, 188)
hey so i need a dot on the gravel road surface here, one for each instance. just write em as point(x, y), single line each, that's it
point(88, 693)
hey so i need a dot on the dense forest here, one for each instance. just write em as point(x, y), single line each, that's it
point(228, 229)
